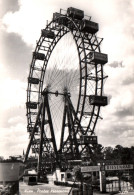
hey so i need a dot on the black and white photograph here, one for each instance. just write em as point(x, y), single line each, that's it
point(67, 97)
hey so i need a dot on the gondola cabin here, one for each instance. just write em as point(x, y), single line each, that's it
point(48, 34)
point(75, 13)
point(56, 16)
point(31, 105)
point(33, 80)
point(38, 56)
point(98, 100)
point(60, 19)
point(98, 58)
point(30, 129)
point(89, 26)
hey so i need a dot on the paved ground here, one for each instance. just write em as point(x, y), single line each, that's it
point(120, 193)
point(45, 189)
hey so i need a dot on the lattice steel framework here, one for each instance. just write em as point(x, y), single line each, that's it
point(77, 120)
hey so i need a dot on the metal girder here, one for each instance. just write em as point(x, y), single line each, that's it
point(33, 132)
point(51, 126)
point(43, 145)
point(85, 43)
point(41, 139)
point(70, 145)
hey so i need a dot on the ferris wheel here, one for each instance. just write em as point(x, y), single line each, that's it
point(65, 87)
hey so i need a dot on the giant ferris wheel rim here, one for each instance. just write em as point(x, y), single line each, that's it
point(77, 34)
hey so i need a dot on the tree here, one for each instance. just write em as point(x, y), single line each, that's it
point(117, 152)
point(1, 158)
point(97, 154)
point(108, 153)
point(126, 156)
point(132, 154)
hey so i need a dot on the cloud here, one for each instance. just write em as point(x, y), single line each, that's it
point(128, 81)
point(116, 131)
point(15, 55)
point(124, 112)
point(13, 140)
point(118, 36)
point(6, 6)
point(20, 21)
point(21, 26)
point(12, 116)
point(30, 19)
point(13, 94)
point(116, 64)
point(15, 120)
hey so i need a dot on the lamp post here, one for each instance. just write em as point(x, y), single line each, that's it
point(103, 176)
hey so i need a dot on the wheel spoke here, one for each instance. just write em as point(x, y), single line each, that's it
point(63, 65)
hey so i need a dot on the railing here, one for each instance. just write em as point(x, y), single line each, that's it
point(117, 185)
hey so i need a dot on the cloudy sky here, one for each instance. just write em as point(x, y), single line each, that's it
point(20, 24)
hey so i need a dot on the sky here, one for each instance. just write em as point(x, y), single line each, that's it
point(20, 24)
